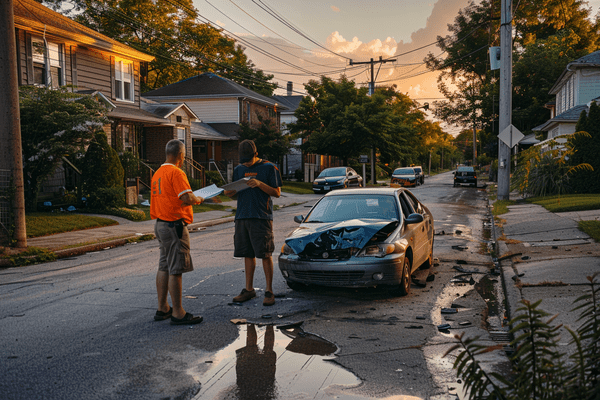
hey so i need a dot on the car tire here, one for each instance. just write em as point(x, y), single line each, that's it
point(406, 272)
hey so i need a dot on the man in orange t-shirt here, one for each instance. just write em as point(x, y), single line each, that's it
point(171, 203)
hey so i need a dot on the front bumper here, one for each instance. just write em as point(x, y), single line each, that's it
point(353, 273)
point(327, 188)
point(404, 182)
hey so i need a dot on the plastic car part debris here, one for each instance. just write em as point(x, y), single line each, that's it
point(525, 258)
point(449, 310)
point(458, 231)
point(430, 278)
point(460, 247)
point(414, 327)
point(466, 271)
point(444, 327)
point(461, 262)
point(420, 317)
point(464, 323)
point(504, 257)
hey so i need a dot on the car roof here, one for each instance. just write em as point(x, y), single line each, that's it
point(413, 168)
point(381, 190)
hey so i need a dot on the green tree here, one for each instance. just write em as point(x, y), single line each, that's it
point(54, 124)
point(586, 149)
point(103, 174)
point(170, 31)
point(270, 142)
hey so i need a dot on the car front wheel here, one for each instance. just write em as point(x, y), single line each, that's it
point(405, 283)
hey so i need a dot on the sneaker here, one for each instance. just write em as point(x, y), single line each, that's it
point(269, 299)
point(245, 295)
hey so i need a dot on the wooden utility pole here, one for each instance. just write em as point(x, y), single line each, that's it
point(504, 151)
point(371, 91)
point(11, 161)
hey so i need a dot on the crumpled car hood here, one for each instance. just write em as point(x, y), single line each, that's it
point(354, 233)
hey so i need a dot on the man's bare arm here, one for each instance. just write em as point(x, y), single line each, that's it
point(271, 191)
point(190, 199)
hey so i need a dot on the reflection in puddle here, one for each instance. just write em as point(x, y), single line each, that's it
point(268, 363)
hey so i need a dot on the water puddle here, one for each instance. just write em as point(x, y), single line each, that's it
point(269, 363)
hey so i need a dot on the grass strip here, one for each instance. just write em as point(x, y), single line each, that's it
point(501, 206)
point(297, 187)
point(42, 224)
point(592, 228)
point(568, 202)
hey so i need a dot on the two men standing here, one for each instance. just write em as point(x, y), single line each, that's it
point(171, 205)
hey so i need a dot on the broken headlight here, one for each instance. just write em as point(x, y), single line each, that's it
point(286, 250)
point(377, 250)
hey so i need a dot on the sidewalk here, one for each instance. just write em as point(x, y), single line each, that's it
point(545, 256)
point(79, 242)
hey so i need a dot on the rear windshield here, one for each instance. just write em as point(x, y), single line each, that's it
point(466, 169)
point(342, 208)
point(404, 171)
point(332, 172)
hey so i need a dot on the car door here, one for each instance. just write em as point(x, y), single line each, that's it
point(421, 230)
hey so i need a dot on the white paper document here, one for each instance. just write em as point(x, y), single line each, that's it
point(238, 185)
point(208, 192)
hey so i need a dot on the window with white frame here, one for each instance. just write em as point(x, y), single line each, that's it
point(48, 63)
point(181, 134)
point(124, 80)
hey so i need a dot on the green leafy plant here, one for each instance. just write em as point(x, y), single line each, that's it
point(32, 255)
point(214, 177)
point(540, 370)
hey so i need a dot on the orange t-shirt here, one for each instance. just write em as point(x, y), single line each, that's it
point(168, 184)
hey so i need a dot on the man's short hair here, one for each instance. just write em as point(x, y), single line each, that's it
point(174, 148)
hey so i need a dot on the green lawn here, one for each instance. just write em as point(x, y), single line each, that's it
point(592, 228)
point(569, 202)
point(42, 224)
point(297, 187)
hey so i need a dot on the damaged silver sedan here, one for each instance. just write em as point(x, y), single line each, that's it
point(359, 238)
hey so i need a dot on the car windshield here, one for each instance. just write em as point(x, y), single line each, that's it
point(404, 171)
point(332, 172)
point(342, 208)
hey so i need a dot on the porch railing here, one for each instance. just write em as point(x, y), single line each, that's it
point(195, 173)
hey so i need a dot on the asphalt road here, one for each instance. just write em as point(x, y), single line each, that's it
point(83, 328)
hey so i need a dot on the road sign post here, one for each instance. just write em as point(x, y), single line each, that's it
point(364, 160)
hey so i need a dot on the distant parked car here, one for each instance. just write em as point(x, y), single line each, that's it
point(465, 175)
point(406, 176)
point(336, 178)
point(373, 237)
point(420, 174)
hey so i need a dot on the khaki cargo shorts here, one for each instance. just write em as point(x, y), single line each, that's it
point(174, 244)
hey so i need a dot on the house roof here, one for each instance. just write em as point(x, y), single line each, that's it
point(207, 86)
point(569, 116)
point(529, 139)
point(32, 16)
point(590, 60)
point(228, 129)
point(290, 102)
point(164, 110)
point(137, 115)
point(202, 131)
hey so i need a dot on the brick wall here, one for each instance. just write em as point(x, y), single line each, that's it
point(156, 141)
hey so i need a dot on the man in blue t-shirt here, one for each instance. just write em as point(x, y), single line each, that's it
point(253, 236)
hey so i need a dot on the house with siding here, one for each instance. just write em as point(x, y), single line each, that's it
point(54, 51)
point(222, 105)
point(575, 89)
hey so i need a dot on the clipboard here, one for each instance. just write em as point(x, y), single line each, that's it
point(238, 185)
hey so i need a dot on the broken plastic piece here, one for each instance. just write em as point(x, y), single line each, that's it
point(414, 327)
point(449, 310)
point(464, 323)
point(444, 327)
point(460, 247)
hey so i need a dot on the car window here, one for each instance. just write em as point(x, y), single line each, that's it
point(418, 170)
point(404, 171)
point(413, 202)
point(406, 207)
point(332, 172)
point(342, 208)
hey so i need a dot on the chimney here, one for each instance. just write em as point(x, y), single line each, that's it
point(290, 86)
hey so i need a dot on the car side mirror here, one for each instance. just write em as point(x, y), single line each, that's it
point(414, 219)
point(298, 219)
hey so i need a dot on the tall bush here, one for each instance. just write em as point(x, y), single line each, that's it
point(103, 174)
point(586, 150)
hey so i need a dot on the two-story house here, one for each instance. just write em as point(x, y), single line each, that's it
point(54, 51)
point(575, 89)
point(222, 105)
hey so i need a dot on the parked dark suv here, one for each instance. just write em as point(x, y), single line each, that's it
point(336, 178)
point(465, 175)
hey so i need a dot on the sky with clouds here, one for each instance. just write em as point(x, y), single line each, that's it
point(298, 40)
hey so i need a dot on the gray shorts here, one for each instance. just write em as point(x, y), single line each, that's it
point(174, 250)
point(253, 238)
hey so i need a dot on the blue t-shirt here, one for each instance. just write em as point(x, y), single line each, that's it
point(253, 202)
